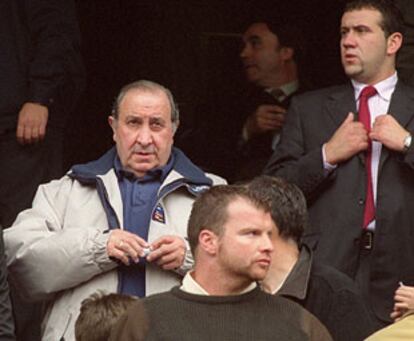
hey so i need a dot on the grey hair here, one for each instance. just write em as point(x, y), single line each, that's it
point(148, 86)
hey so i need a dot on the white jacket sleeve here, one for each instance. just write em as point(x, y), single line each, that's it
point(45, 252)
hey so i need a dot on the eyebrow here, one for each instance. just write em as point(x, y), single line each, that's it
point(253, 38)
point(356, 27)
point(250, 228)
point(157, 118)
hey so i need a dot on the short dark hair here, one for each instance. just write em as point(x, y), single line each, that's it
point(288, 32)
point(392, 18)
point(98, 313)
point(210, 210)
point(289, 35)
point(287, 205)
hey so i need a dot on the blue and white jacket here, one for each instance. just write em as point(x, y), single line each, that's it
point(57, 249)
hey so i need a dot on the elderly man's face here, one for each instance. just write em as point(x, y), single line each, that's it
point(143, 131)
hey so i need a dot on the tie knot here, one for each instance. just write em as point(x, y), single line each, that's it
point(368, 91)
point(277, 93)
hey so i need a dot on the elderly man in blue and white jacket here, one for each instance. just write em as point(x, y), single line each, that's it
point(116, 224)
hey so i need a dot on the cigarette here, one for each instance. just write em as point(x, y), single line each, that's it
point(401, 284)
point(146, 251)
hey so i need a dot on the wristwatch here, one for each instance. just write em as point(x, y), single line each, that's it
point(407, 143)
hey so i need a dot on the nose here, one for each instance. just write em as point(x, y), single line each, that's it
point(244, 53)
point(267, 245)
point(144, 136)
point(348, 40)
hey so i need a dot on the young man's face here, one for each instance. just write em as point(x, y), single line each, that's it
point(261, 55)
point(245, 247)
point(143, 131)
point(367, 55)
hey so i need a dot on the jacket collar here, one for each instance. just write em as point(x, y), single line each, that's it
point(88, 172)
point(101, 174)
point(183, 169)
point(296, 284)
point(340, 102)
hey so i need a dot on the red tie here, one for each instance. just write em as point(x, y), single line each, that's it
point(365, 119)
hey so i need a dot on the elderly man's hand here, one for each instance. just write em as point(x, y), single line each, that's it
point(124, 245)
point(168, 252)
point(31, 124)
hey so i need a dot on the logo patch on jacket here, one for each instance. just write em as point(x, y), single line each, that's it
point(158, 214)
point(197, 189)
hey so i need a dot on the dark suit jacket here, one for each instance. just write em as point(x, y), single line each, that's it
point(215, 144)
point(329, 295)
point(252, 155)
point(336, 201)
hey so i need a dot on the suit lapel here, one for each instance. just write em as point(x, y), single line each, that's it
point(339, 104)
point(401, 107)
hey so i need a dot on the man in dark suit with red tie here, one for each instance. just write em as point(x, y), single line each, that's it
point(349, 149)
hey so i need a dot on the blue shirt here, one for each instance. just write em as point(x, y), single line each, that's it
point(139, 197)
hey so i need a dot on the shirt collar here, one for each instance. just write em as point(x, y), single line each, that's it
point(384, 88)
point(288, 88)
point(296, 284)
point(156, 173)
point(191, 286)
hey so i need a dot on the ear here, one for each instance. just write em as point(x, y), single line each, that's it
point(175, 126)
point(287, 53)
point(394, 42)
point(208, 241)
point(113, 123)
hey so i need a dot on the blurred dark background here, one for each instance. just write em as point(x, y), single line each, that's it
point(191, 47)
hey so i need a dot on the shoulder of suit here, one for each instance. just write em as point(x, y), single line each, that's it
point(407, 88)
point(320, 94)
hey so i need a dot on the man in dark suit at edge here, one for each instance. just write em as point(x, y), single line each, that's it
point(359, 216)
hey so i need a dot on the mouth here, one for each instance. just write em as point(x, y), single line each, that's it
point(249, 66)
point(143, 155)
point(264, 262)
point(350, 58)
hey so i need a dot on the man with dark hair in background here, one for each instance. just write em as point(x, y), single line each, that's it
point(349, 149)
point(271, 57)
point(241, 124)
point(324, 291)
point(229, 232)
